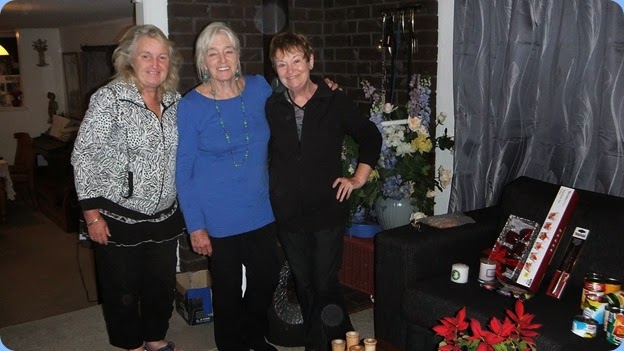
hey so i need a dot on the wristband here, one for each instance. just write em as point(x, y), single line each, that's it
point(94, 221)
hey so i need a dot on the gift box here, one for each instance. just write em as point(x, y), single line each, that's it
point(548, 238)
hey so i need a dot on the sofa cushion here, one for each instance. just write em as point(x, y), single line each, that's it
point(436, 298)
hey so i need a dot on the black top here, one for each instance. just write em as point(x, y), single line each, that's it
point(302, 172)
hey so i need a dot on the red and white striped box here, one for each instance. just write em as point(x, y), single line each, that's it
point(548, 239)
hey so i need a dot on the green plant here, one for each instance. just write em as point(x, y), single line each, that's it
point(406, 166)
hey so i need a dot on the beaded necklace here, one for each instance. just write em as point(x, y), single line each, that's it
point(225, 132)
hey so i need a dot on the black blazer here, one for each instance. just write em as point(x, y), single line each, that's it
point(302, 172)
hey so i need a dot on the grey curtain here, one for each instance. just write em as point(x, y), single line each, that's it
point(539, 91)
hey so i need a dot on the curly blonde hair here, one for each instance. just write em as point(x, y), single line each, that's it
point(125, 53)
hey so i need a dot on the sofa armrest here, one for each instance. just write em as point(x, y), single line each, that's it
point(405, 256)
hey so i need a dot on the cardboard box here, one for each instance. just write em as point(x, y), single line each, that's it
point(547, 241)
point(193, 299)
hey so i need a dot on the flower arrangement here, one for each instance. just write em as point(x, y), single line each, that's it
point(406, 166)
point(515, 333)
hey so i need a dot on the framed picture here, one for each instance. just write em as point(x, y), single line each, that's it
point(71, 67)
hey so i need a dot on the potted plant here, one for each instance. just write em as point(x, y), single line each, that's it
point(405, 171)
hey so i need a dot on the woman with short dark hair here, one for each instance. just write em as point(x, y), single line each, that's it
point(309, 193)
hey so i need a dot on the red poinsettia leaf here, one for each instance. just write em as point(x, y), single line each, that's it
point(492, 339)
point(444, 332)
point(507, 328)
point(477, 331)
point(519, 308)
point(528, 333)
point(484, 347)
point(495, 325)
point(461, 314)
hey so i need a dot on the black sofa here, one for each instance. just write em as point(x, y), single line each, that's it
point(412, 270)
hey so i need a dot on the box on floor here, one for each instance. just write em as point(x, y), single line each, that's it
point(193, 298)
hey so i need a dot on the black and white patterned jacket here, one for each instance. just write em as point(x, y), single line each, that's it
point(124, 157)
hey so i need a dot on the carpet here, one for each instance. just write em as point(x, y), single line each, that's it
point(85, 330)
point(44, 271)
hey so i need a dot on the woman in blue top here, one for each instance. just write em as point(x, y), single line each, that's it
point(222, 182)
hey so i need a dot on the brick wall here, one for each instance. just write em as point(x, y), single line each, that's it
point(344, 33)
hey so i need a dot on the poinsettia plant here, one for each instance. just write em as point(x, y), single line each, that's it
point(515, 333)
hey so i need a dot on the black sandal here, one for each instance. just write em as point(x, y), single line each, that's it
point(169, 347)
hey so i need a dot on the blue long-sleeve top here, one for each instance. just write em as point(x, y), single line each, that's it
point(214, 193)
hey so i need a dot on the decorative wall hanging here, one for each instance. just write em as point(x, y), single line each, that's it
point(398, 36)
point(41, 46)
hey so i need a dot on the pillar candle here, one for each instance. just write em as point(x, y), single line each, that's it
point(370, 344)
point(338, 345)
point(487, 270)
point(459, 273)
point(353, 338)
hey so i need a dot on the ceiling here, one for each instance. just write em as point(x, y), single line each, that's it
point(61, 13)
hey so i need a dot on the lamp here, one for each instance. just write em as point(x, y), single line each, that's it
point(3, 51)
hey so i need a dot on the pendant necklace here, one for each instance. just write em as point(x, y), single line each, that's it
point(225, 132)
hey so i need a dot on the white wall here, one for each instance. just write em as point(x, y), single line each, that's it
point(152, 12)
point(37, 81)
point(105, 33)
point(444, 94)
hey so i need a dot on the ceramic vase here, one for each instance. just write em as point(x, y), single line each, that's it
point(393, 213)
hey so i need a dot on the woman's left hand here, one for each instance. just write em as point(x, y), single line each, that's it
point(331, 84)
point(346, 186)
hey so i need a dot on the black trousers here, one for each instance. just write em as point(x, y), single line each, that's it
point(241, 321)
point(136, 285)
point(315, 258)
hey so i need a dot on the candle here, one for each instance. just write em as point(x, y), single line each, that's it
point(338, 345)
point(353, 338)
point(459, 273)
point(487, 270)
point(370, 344)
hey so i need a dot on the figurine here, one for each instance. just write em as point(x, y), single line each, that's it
point(52, 106)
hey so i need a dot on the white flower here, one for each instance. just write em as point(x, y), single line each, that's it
point(351, 169)
point(423, 131)
point(394, 135)
point(444, 176)
point(404, 148)
point(416, 216)
point(430, 194)
point(441, 117)
point(414, 123)
point(388, 108)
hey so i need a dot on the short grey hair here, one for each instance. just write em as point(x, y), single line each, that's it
point(204, 40)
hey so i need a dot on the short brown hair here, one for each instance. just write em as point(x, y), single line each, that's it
point(290, 42)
